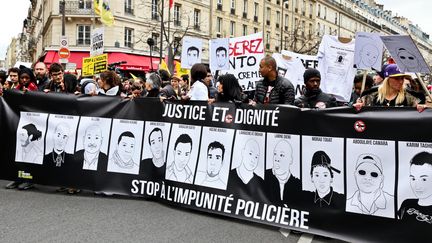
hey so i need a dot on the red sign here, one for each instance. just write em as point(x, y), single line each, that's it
point(64, 53)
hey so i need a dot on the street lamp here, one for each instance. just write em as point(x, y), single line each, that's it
point(151, 43)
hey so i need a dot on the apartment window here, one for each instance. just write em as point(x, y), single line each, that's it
point(296, 5)
point(318, 29)
point(154, 10)
point(155, 37)
point(255, 30)
point(325, 12)
point(128, 7)
point(303, 27)
point(219, 24)
point(286, 21)
point(232, 4)
point(303, 7)
point(232, 28)
point(310, 30)
point(177, 9)
point(267, 40)
point(197, 19)
point(336, 18)
point(256, 9)
point(244, 29)
point(128, 37)
point(219, 5)
point(85, 4)
point(319, 11)
point(277, 17)
point(245, 6)
point(268, 16)
point(310, 10)
point(83, 37)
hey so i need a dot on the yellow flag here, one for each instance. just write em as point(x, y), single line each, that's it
point(135, 78)
point(107, 16)
point(164, 66)
point(181, 71)
point(97, 5)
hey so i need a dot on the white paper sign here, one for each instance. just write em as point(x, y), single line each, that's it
point(219, 59)
point(368, 51)
point(406, 54)
point(245, 54)
point(191, 52)
point(97, 42)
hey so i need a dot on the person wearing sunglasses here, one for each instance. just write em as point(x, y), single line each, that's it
point(419, 209)
point(370, 197)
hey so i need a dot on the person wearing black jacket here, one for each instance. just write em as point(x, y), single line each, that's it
point(313, 97)
point(273, 89)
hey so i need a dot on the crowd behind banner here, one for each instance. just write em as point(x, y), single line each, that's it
point(236, 153)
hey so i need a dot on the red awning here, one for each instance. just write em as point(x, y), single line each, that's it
point(134, 62)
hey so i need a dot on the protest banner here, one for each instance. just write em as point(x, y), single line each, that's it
point(94, 65)
point(236, 157)
point(368, 51)
point(292, 68)
point(219, 59)
point(245, 54)
point(191, 52)
point(309, 61)
point(97, 42)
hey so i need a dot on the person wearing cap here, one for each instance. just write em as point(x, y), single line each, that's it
point(419, 209)
point(391, 93)
point(322, 174)
point(27, 80)
point(370, 197)
point(281, 185)
point(313, 97)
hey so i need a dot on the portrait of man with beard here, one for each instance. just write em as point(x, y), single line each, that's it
point(215, 161)
point(91, 156)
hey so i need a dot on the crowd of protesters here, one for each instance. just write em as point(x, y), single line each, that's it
point(390, 87)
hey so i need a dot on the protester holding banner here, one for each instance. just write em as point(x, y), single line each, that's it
point(313, 97)
point(27, 80)
point(273, 89)
point(229, 90)
point(153, 85)
point(199, 90)
point(13, 76)
point(57, 83)
point(358, 81)
point(392, 91)
point(109, 83)
point(40, 70)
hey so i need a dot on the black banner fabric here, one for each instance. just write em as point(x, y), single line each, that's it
point(355, 176)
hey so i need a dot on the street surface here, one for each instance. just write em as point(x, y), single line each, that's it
point(43, 215)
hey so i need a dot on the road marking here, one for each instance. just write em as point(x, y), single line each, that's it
point(305, 238)
point(284, 232)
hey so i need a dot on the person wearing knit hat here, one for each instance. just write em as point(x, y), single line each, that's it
point(313, 97)
point(370, 197)
point(322, 174)
point(26, 79)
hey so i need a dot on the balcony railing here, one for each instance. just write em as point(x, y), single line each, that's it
point(78, 8)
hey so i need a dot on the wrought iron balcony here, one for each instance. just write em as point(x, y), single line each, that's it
point(82, 7)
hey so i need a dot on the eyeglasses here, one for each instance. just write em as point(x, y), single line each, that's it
point(372, 174)
point(56, 74)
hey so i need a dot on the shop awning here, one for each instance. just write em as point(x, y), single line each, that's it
point(133, 62)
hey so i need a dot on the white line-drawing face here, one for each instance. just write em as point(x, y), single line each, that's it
point(192, 55)
point(421, 180)
point(92, 139)
point(156, 143)
point(221, 57)
point(126, 147)
point(282, 158)
point(369, 55)
point(407, 58)
point(250, 155)
point(23, 137)
point(182, 154)
point(60, 137)
point(214, 161)
point(322, 178)
point(368, 177)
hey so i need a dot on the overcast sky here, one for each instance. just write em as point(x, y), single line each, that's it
point(12, 14)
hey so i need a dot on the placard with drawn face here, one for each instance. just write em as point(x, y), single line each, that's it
point(370, 167)
point(183, 153)
point(283, 153)
point(30, 136)
point(249, 152)
point(125, 146)
point(155, 143)
point(406, 54)
point(219, 54)
point(322, 164)
point(215, 157)
point(191, 52)
point(415, 182)
point(368, 51)
point(61, 134)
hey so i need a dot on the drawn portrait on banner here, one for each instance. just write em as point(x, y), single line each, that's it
point(219, 50)
point(282, 174)
point(60, 140)
point(248, 162)
point(215, 157)
point(415, 182)
point(322, 171)
point(92, 143)
point(30, 134)
point(155, 147)
point(125, 146)
point(183, 153)
point(368, 51)
point(191, 52)
point(371, 177)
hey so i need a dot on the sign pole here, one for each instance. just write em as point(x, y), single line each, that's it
point(365, 72)
point(424, 86)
